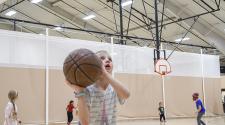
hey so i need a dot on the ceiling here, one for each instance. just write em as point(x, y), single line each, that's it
point(140, 18)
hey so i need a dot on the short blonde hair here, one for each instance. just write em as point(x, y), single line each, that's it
point(103, 52)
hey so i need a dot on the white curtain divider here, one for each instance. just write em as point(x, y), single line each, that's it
point(203, 80)
point(20, 48)
point(46, 79)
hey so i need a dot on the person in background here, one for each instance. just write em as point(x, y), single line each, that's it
point(161, 112)
point(69, 110)
point(200, 108)
point(11, 116)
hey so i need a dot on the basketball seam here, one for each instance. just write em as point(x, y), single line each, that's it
point(75, 63)
point(78, 67)
point(68, 71)
point(78, 58)
point(68, 61)
point(84, 56)
point(70, 67)
point(71, 59)
point(85, 74)
point(89, 64)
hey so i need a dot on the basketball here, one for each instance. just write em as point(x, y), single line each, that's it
point(82, 67)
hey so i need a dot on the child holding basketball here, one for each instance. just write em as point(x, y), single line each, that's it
point(200, 108)
point(11, 117)
point(69, 110)
point(97, 102)
point(161, 112)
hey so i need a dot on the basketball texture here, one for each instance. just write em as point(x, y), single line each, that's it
point(82, 67)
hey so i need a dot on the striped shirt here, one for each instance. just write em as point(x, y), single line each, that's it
point(102, 105)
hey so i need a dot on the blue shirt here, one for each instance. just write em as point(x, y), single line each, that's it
point(199, 104)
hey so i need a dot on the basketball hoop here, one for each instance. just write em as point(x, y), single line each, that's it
point(162, 67)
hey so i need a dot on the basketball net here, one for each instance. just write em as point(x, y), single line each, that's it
point(162, 67)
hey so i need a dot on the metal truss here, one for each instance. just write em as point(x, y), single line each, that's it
point(149, 23)
point(98, 32)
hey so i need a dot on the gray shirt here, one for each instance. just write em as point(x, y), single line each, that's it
point(102, 105)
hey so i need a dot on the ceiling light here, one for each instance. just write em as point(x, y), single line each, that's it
point(88, 17)
point(126, 3)
point(183, 39)
point(10, 13)
point(35, 1)
point(58, 28)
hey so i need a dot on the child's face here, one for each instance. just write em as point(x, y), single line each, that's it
point(194, 98)
point(107, 61)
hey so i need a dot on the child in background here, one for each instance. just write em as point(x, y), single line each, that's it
point(11, 117)
point(69, 110)
point(200, 108)
point(161, 112)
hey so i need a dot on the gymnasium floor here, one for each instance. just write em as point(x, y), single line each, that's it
point(190, 121)
point(180, 121)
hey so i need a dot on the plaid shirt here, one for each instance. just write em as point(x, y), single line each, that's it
point(102, 105)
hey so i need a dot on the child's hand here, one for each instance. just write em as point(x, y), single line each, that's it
point(76, 88)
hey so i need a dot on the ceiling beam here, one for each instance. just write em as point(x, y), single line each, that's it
point(98, 32)
point(68, 16)
point(210, 36)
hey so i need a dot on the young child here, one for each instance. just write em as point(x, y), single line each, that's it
point(161, 112)
point(97, 102)
point(200, 108)
point(11, 117)
point(69, 110)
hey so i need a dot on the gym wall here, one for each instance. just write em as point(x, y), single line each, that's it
point(222, 82)
point(30, 84)
point(146, 92)
point(23, 62)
